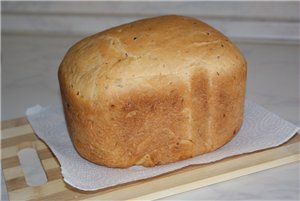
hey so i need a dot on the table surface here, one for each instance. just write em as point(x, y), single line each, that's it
point(29, 77)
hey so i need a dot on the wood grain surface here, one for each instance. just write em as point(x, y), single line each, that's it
point(15, 132)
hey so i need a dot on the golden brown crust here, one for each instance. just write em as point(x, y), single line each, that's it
point(152, 92)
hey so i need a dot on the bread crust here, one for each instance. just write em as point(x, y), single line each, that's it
point(152, 92)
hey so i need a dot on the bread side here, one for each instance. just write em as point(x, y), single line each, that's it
point(152, 92)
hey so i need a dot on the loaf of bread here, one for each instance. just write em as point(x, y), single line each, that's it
point(152, 92)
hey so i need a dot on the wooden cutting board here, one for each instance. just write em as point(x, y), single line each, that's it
point(15, 132)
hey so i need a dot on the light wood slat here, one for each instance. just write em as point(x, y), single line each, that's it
point(16, 131)
point(14, 123)
point(13, 150)
point(50, 163)
point(15, 172)
point(40, 191)
point(12, 173)
point(68, 194)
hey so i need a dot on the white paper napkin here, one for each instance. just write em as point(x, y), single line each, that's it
point(261, 129)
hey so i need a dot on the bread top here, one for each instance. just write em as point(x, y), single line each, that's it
point(127, 57)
